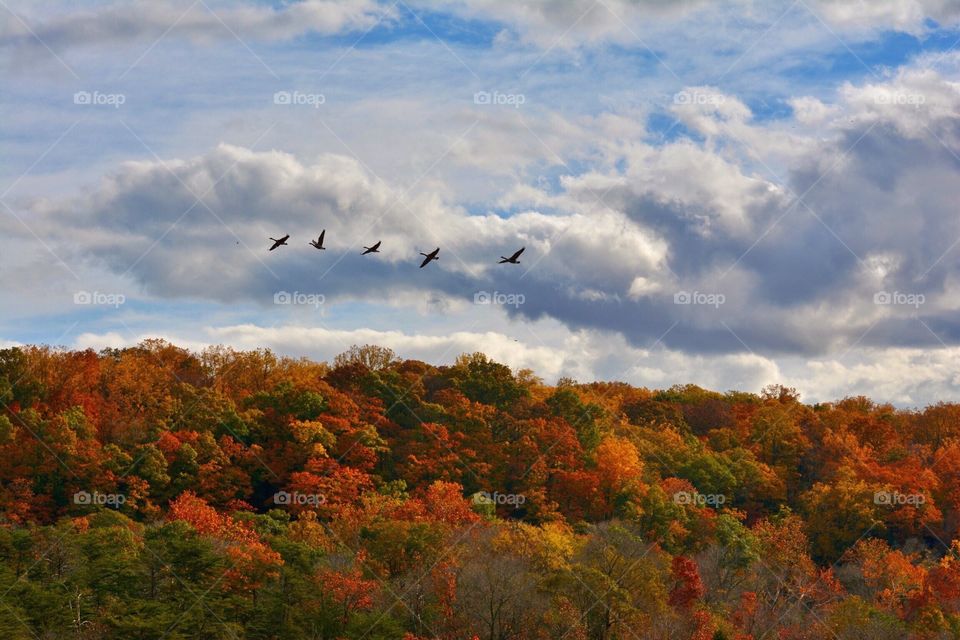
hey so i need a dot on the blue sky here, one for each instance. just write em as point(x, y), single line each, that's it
point(788, 169)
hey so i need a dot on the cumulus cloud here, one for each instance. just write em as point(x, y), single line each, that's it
point(738, 246)
point(584, 355)
point(696, 234)
point(906, 377)
point(146, 220)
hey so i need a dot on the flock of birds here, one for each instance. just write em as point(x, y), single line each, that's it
point(428, 257)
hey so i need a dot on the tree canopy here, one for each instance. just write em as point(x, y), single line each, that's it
point(151, 493)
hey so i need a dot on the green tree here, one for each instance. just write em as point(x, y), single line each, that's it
point(483, 380)
point(584, 418)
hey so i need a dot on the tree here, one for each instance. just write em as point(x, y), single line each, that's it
point(343, 592)
point(133, 481)
point(498, 594)
point(857, 620)
point(840, 513)
point(617, 582)
point(371, 357)
point(727, 563)
point(251, 561)
point(483, 380)
point(566, 404)
point(18, 387)
point(938, 423)
point(687, 586)
point(618, 468)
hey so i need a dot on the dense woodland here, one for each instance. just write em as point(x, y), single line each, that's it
point(151, 492)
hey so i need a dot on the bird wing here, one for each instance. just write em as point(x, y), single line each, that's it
point(426, 261)
point(377, 246)
point(322, 233)
point(517, 254)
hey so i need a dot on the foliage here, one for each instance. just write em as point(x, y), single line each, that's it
point(155, 493)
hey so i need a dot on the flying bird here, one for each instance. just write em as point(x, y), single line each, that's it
point(279, 243)
point(374, 249)
point(429, 257)
point(512, 259)
point(318, 243)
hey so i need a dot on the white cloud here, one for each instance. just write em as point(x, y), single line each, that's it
point(606, 252)
point(120, 23)
point(572, 22)
point(914, 100)
point(143, 220)
point(615, 221)
point(575, 23)
point(902, 15)
point(907, 377)
point(811, 112)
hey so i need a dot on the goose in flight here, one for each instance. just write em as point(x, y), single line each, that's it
point(318, 243)
point(374, 249)
point(512, 259)
point(279, 243)
point(430, 257)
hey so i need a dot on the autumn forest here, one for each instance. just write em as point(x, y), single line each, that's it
point(155, 493)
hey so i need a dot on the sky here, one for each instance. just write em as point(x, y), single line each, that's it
point(725, 193)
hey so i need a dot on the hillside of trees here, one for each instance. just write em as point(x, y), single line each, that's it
point(156, 493)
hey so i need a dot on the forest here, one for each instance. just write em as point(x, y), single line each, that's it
point(153, 493)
